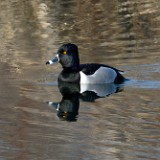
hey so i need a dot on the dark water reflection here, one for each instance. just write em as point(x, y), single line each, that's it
point(67, 108)
point(122, 126)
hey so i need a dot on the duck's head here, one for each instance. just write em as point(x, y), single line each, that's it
point(67, 56)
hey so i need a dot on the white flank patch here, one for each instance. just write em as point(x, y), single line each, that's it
point(102, 75)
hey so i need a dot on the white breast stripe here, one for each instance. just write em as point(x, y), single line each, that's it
point(102, 75)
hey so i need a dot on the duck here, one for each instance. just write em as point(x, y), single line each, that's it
point(89, 73)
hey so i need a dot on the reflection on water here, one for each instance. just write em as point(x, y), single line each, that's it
point(124, 34)
point(68, 108)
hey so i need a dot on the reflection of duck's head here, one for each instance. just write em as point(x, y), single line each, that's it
point(73, 71)
point(67, 108)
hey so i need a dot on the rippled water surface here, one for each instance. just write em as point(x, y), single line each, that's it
point(41, 119)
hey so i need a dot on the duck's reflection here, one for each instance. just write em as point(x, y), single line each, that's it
point(68, 108)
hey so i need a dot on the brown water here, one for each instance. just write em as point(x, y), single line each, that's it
point(123, 126)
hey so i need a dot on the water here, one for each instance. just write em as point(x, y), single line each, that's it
point(38, 120)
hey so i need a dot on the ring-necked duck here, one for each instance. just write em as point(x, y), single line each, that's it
point(92, 73)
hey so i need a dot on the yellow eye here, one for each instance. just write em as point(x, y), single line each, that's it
point(64, 52)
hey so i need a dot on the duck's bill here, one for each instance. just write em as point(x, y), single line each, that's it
point(53, 61)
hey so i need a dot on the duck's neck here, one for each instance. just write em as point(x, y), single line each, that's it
point(71, 69)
